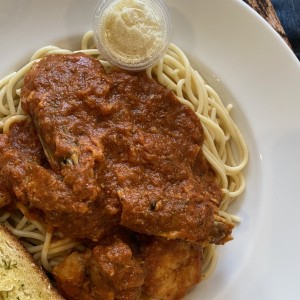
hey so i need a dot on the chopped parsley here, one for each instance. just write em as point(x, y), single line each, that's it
point(8, 264)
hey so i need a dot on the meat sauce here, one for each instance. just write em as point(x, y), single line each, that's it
point(125, 149)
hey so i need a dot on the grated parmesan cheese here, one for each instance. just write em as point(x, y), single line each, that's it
point(132, 31)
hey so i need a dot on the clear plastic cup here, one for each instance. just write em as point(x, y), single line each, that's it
point(132, 34)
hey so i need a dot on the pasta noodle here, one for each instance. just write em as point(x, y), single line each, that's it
point(224, 146)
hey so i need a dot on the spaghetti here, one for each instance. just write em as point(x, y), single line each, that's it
point(224, 146)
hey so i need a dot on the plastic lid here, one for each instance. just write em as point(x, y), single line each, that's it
point(132, 34)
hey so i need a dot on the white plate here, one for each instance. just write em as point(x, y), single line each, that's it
point(250, 66)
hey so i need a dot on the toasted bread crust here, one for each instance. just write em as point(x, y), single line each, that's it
point(20, 276)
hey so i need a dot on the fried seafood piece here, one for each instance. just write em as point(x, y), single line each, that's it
point(72, 278)
point(124, 137)
point(110, 270)
point(165, 184)
point(62, 93)
point(26, 176)
point(131, 267)
point(173, 268)
point(116, 273)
